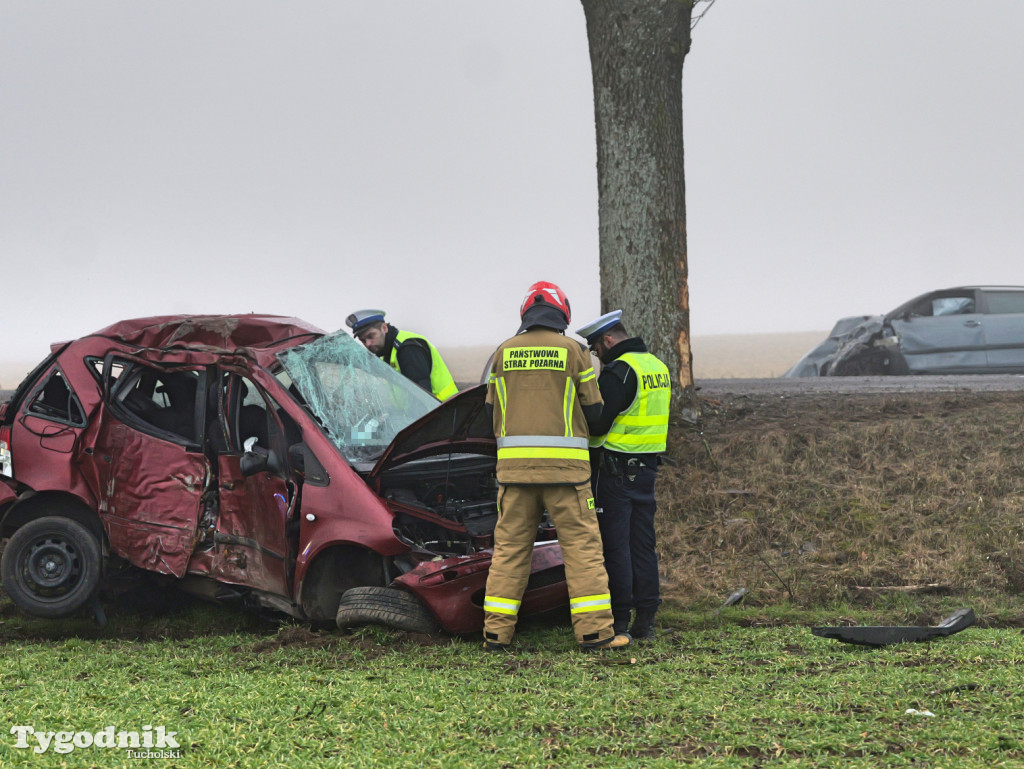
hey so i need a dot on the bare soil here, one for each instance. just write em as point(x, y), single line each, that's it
point(816, 497)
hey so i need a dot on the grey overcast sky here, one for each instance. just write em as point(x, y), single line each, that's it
point(434, 158)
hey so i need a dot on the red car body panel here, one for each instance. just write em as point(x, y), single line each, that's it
point(150, 491)
point(254, 515)
point(44, 455)
point(221, 332)
point(149, 495)
point(359, 517)
point(454, 587)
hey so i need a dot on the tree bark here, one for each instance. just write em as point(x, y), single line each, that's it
point(637, 49)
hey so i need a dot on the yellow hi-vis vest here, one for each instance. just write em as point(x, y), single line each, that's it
point(441, 383)
point(643, 427)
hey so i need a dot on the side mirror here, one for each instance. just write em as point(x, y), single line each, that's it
point(253, 463)
point(260, 461)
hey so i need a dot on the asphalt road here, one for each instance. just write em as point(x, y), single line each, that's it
point(862, 384)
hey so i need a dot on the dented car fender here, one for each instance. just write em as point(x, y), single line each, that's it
point(358, 518)
point(453, 588)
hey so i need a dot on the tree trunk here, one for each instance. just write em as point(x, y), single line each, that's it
point(637, 49)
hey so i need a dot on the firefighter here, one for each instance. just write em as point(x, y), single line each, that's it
point(409, 354)
point(541, 385)
point(626, 446)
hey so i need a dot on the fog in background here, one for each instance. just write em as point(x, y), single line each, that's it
point(435, 158)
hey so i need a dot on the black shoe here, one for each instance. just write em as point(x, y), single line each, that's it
point(494, 646)
point(642, 632)
point(643, 626)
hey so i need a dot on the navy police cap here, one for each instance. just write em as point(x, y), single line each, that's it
point(360, 319)
point(595, 328)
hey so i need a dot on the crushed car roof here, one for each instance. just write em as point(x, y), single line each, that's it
point(225, 332)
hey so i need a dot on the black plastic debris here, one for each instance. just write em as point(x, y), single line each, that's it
point(883, 635)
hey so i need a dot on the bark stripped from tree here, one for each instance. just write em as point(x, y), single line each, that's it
point(637, 49)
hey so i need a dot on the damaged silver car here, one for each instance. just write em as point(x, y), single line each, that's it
point(963, 330)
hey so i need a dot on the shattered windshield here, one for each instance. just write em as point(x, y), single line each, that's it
point(359, 399)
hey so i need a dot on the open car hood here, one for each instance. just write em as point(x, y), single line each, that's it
point(459, 425)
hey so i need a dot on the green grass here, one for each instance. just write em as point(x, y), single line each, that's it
point(730, 691)
point(800, 500)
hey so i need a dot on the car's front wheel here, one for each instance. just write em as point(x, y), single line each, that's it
point(51, 566)
point(872, 361)
point(385, 606)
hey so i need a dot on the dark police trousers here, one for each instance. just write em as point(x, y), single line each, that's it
point(624, 496)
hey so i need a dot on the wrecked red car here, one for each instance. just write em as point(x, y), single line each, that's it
point(254, 460)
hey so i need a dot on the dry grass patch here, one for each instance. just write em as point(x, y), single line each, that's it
point(806, 498)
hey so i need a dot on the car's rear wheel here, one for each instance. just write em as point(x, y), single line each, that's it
point(385, 606)
point(51, 566)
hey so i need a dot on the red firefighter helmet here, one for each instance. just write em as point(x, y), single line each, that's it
point(548, 293)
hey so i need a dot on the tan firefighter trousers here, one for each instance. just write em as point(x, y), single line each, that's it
point(520, 509)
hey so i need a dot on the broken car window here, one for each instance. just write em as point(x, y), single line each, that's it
point(165, 400)
point(95, 366)
point(953, 305)
point(56, 401)
point(359, 399)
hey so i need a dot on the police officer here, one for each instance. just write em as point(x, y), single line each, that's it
point(541, 385)
point(408, 353)
point(628, 439)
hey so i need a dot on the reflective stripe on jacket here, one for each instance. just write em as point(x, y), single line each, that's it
point(442, 385)
point(587, 603)
point(643, 427)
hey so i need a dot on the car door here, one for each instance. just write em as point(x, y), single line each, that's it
point(256, 532)
point(46, 432)
point(943, 333)
point(1004, 329)
point(145, 464)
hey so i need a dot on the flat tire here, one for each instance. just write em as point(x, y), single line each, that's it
point(385, 606)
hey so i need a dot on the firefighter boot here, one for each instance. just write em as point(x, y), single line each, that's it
point(643, 625)
point(617, 641)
